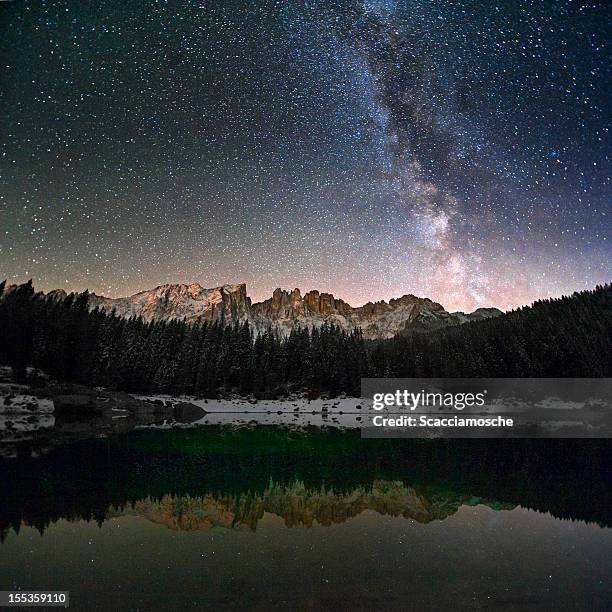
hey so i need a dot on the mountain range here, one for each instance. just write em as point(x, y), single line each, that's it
point(285, 310)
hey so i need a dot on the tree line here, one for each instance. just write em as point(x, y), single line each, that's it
point(568, 336)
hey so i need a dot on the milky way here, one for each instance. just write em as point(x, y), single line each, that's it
point(454, 150)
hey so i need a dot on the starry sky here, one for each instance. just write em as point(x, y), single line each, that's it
point(457, 150)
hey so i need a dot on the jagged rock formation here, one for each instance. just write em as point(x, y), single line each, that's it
point(284, 311)
point(298, 506)
point(376, 320)
point(228, 303)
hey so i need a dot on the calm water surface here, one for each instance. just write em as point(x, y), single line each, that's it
point(266, 518)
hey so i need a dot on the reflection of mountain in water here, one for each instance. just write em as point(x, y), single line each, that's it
point(200, 477)
point(298, 506)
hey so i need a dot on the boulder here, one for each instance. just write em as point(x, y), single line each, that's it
point(186, 412)
point(76, 403)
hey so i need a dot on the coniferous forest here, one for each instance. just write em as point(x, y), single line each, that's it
point(566, 337)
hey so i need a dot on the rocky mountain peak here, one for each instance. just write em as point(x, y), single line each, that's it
point(180, 301)
point(284, 311)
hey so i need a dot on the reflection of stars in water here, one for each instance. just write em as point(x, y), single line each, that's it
point(362, 147)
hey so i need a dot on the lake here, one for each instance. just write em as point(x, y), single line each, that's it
point(217, 517)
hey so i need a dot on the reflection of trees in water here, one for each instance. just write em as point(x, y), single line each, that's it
point(298, 506)
point(207, 475)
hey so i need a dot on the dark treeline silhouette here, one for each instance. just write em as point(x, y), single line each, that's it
point(568, 336)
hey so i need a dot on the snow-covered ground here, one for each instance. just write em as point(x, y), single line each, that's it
point(339, 412)
point(20, 411)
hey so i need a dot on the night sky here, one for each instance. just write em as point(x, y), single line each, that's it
point(454, 150)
